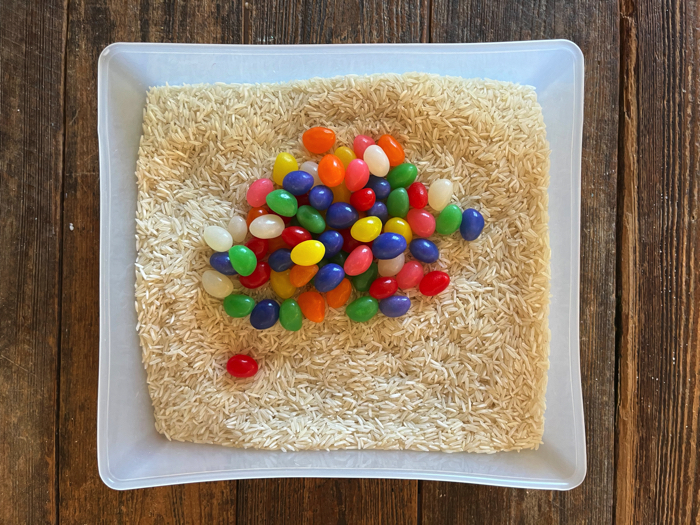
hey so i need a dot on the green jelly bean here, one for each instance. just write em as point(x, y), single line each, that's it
point(310, 219)
point(339, 258)
point(362, 309)
point(238, 305)
point(290, 315)
point(402, 176)
point(322, 263)
point(363, 281)
point(243, 259)
point(397, 203)
point(294, 221)
point(282, 202)
point(449, 220)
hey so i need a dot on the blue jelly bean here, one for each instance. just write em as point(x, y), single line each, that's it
point(395, 306)
point(472, 224)
point(388, 245)
point(379, 209)
point(221, 262)
point(380, 186)
point(280, 260)
point(264, 314)
point(341, 215)
point(298, 182)
point(320, 197)
point(424, 250)
point(333, 242)
point(329, 277)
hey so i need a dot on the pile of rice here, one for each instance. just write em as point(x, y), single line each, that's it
point(463, 371)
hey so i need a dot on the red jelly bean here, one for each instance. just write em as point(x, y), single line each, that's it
point(360, 144)
point(363, 200)
point(410, 275)
point(302, 200)
point(258, 247)
point(260, 276)
point(293, 235)
point(359, 260)
point(383, 287)
point(242, 366)
point(421, 222)
point(417, 195)
point(434, 283)
point(349, 242)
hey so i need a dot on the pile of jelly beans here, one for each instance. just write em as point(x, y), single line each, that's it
point(342, 223)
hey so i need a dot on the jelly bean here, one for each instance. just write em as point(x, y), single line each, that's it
point(282, 202)
point(276, 243)
point(243, 259)
point(312, 306)
point(295, 219)
point(333, 241)
point(318, 139)
point(360, 144)
point(397, 203)
point(298, 182)
point(320, 197)
point(362, 309)
point(424, 250)
point(302, 200)
point(267, 226)
point(238, 305)
point(381, 187)
point(284, 163)
point(265, 314)
point(311, 220)
point(308, 253)
point(322, 263)
point(367, 229)
point(472, 224)
point(363, 200)
point(281, 260)
point(433, 283)
point(242, 366)
point(311, 167)
point(339, 295)
point(391, 267)
point(331, 171)
point(358, 261)
point(254, 213)
point(449, 220)
point(260, 276)
point(345, 154)
point(300, 275)
point(238, 228)
point(293, 235)
point(383, 287)
point(341, 215)
point(218, 238)
point(400, 226)
point(392, 148)
point(291, 316)
point(356, 175)
point(258, 247)
point(388, 245)
point(328, 277)
point(417, 195)
point(349, 242)
point(395, 306)
point(380, 211)
point(377, 161)
point(363, 281)
point(339, 258)
point(257, 192)
point(403, 175)
point(216, 284)
point(221, 262)
point(410, 275)
point(422, 223)
point(341, 193)
point(440, 193)
point(281, 284)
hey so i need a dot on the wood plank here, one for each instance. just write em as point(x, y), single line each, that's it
point(658, 470)
point(594, 27)
point(32, 45)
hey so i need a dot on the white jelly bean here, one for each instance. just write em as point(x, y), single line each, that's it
point(440, 194)
point(238, 228)
point(376, 160)
point(217, 238)
point(311, 167)
point(217, 284)
point(390, 267)
point(267, 226)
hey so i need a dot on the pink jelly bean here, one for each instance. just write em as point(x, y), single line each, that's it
point(359, 260)
point(360, 144)
point(257, 193)
point(356, 175)
point(421, 222)
point(410, 275)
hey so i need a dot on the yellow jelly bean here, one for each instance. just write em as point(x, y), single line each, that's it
point(367, 229)
point(308, 253)
point(400, 226)
point(284, 163)
point(279, 281)
point(341, 193)
point(345, 155)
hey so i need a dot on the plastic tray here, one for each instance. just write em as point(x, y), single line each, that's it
point(131, 454)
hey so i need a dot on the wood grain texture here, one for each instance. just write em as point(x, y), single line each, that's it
point(658, 470)
point(32, 44)
point(594, 27)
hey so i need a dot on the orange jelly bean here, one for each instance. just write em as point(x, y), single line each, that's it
point(318, 139)
point(300, 275)
point(254, 213)
point(392, 149)
point(341, 193)
point(331, 170)
point(339, 295)
point(312, 306)
point(276, 244)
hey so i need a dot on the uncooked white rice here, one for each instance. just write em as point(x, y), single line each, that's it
point(463, 371)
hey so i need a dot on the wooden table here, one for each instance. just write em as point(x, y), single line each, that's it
point(640, 245)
